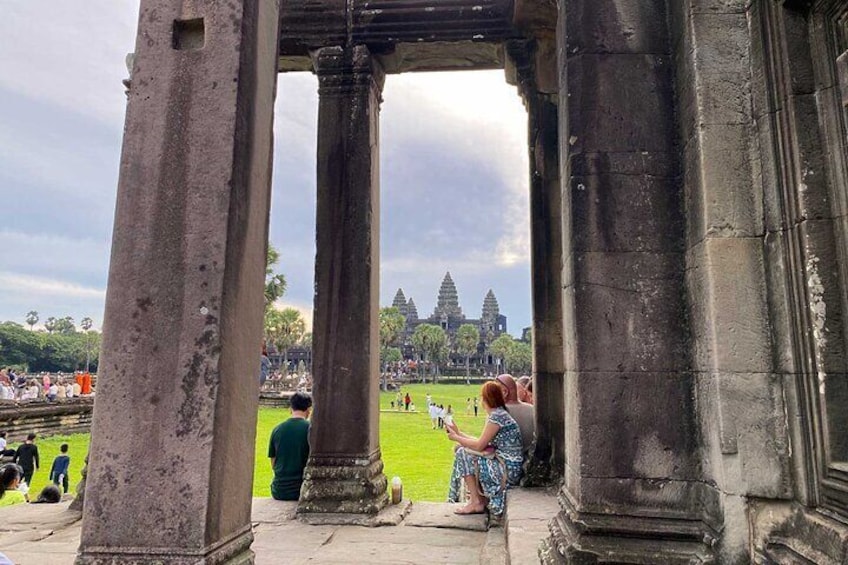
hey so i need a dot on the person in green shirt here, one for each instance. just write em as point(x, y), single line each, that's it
point(10, 478)
point(289, 449)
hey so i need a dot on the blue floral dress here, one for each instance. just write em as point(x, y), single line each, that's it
point(496, 473)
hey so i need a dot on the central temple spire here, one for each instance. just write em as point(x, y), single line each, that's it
point(448, 302)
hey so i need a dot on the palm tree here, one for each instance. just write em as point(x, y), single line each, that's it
point(285, 328)
point(86, 324)
point(50, 324)
point(467, 340)
point(31, 319)
point(430, 340)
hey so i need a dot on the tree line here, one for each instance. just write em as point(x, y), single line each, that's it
point(436, 347)
point(61, 347)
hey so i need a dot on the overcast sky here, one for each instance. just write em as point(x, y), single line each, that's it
point(453, 165)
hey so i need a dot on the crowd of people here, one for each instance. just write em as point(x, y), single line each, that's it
point(44, 386)
point(484, 466)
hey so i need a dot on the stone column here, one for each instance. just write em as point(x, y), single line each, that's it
point(633, 489)
point(345, 471)
point(531, 60)
point(171, 462)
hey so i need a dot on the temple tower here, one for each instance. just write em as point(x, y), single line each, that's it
point(448, 302)
point(400, 302)
point(411, 310)
point(491, 310)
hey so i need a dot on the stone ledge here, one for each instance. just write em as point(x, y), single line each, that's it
point(391, 515)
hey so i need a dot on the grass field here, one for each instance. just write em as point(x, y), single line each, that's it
point(412, 450)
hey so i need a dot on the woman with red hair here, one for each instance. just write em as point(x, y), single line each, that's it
point(490, 463)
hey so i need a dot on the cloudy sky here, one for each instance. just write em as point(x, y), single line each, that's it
point(453, 164)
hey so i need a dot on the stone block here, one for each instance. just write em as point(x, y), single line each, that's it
point(613, 212)
point(637, 425)
point(781, 317)
point(751, 417)
point(721, 199)
point(621, 103)
point(730, 327)
point(441, 515)
point(814, 201)
point(720, 43)
point(631, 312)
point(617, 26)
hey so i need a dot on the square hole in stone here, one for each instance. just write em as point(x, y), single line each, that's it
point(189, 35)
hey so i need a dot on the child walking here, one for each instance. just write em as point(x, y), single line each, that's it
point(59, 470)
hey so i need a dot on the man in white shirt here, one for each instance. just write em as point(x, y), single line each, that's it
point(433, 410)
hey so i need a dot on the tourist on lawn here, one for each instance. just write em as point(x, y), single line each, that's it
point(289, 449)
point(27, 457)
point(49, 495)
point(407, 400)
point(525, 389)
point(59, 470)
point(476, 407)
point(398, 400)
point(441, 414)
point(10, 481)
point(490, 463)
point(264, 367)
point(523, 413)
point(433, 410)
point(468, 406)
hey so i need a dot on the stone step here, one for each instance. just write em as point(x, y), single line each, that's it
point(441, 515)
point(528, 512)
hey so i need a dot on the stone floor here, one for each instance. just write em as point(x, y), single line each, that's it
point(430, 533)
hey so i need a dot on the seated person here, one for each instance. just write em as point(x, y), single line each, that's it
point(11, 476)
point(49, 495)
point(525, 389)
point(289, 449)
point(487, 476)
point(523, 413)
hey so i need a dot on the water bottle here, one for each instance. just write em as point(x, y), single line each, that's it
point(397, 490)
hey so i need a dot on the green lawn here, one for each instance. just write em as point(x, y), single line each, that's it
point(412, 450)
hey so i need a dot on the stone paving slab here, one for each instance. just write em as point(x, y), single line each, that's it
point(401, 545)
point(49, 535)
point(441, 515)
point(527, 516)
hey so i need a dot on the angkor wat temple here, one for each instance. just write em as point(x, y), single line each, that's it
point(448, 313)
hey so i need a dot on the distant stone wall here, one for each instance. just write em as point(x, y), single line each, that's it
point(62, 417)
point(275, 399)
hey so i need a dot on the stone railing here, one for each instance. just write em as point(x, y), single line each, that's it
point(63, 417)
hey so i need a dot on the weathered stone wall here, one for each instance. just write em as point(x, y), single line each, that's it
point(738, 395)
point(62, 417)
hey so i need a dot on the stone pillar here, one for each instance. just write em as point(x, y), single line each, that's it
point(171, 463)
point(545, 465)
point(633, 490)
point(345, 471)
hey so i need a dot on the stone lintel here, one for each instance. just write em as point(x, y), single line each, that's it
point(311, 24)
point(422, 57)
